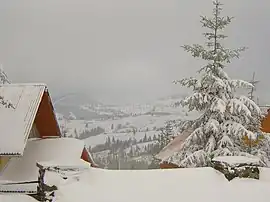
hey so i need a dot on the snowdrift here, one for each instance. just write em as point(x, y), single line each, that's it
point(191, 185)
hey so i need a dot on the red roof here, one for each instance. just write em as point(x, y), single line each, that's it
point(88, 158)
point(174, 146)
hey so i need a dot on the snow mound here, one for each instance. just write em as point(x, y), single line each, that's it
point(236, 160)
point(61, 151)
point(192, 185)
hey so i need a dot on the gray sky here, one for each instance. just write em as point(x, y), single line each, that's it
point(123, 50)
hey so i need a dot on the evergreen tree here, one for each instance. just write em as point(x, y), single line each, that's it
point(145, 138)
point(3, 76)
point(166, 135)
point(225, 118)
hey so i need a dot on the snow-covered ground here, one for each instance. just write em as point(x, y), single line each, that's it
point(141, 123)
point(191, 184)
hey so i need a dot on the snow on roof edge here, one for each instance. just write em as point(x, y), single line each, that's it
point(16, 197)
point(23, 84)
point(30, 188)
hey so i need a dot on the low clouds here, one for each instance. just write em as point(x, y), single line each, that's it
point(122, 50)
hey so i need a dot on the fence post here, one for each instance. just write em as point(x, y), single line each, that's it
point(45, 193)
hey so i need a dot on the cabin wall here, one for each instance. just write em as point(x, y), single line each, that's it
point(45, 120)
point(266, 123)
point(3, 162)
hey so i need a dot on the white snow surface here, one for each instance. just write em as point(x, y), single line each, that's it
point(61, 151)
point(25, 99)
point(234, 160)
point(16, 198)
point(187, 185)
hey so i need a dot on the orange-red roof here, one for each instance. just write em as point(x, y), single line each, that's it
point(174, 146)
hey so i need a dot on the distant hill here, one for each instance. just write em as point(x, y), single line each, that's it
point(73, 102)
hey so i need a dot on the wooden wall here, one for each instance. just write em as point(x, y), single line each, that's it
point(166, 165)
point(45, 121)
point(266, 123)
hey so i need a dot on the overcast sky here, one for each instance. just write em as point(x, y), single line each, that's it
point(123, 50)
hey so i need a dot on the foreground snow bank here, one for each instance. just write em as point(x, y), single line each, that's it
point(192, 185)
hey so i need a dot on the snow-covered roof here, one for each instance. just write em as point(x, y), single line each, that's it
point(174, 146)
point(187, 184)
point(17, 198)
point(265, 109)
point(236, 160)
point(61, 151)
point(16, 122)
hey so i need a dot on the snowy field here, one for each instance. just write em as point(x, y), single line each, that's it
point(141, 123)
point(145, 124)
point(101, 139)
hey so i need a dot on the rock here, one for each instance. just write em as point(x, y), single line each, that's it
point(241, 170)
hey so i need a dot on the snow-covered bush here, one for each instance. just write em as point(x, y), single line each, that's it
point(226, 118)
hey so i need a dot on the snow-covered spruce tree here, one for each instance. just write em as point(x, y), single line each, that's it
point(225, 118)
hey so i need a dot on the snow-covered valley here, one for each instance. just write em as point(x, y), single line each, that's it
point(130, 131)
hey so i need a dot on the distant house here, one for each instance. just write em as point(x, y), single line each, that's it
point(266, 122)
point(31, 117)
